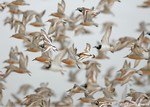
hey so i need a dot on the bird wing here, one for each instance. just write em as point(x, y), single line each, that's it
point(59, 56)
point(106, 36)
point(48, 39)
point(87, 48)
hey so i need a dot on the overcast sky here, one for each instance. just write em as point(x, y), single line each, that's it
point(126, 15)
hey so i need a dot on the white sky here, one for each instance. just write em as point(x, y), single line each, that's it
point(127, 17)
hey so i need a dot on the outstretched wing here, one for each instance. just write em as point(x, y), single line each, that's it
point(106, 36)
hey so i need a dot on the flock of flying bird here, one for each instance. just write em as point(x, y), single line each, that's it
point(58, 54)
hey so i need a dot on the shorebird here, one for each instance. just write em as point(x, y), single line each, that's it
point(14, 9)
point(125, 67)
point(142, 27)
point(18, 100)
point(137, 51)
point(32, 100)
point(19, 2)
point(146, 69)
point(145, 4)
point(106, 24)
point(71, 60)
point(109, 91)
point(22, 69)
point(76, 89)
point(44, 58)
point(104, 44)
point(88, 15)
point(55, 64)
point(3, 6)
point(73, 76)
point(44, 91)
point(10, 104)
point(110, 3)
point(92, 71)
point(123, 42)
point(86, 53)
point(47, 45)
point(38, 22)
point(65, 101)
point(60, 10)
point(29, 14)
point(104, 101)
point(13, 56)
point(80, 29)
point(24, 89)
point(32, 44)
point(21, 34)
point(128, 75)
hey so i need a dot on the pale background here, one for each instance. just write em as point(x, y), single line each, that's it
point(127, 17)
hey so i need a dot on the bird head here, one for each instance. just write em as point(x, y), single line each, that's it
point(80, 9)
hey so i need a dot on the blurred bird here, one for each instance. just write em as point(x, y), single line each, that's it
point(3, 6)
point(14, 9)
point(18, 101)
point(80, 29)
point(21, 32)
point(13, 56)
point(105, 45)
point(10, 104)
point(60, 10)
point(22, 69)
point(146, 69)
point(71, 60)
point(47, 42)
point(45, 57)
point(32, 44)
point(127, 76)
point(109, 3)
point(73, 76)
point(145, 4)
point(44, 91)
point(66, 101)
point(142, 27)
point(88, 15)
point(137, 51)
point(55, 64)
point(38, 20)
point(32, 100)
point(24, 89)
point(123, 42)
point(76, 89)
point(106, 24)
point(92, 71)
point(19, 2)
point(86, 53)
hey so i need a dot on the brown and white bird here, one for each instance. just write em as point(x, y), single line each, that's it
point(13, 56)
point(19, 2)
point(86, 53)
point(88, 15)
point(22, 69)
point(38, 20)
point(47, 45)
point(137, 51)
point(104, 44)
point(55, 64)
point(71, 60)
point(60, 10)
